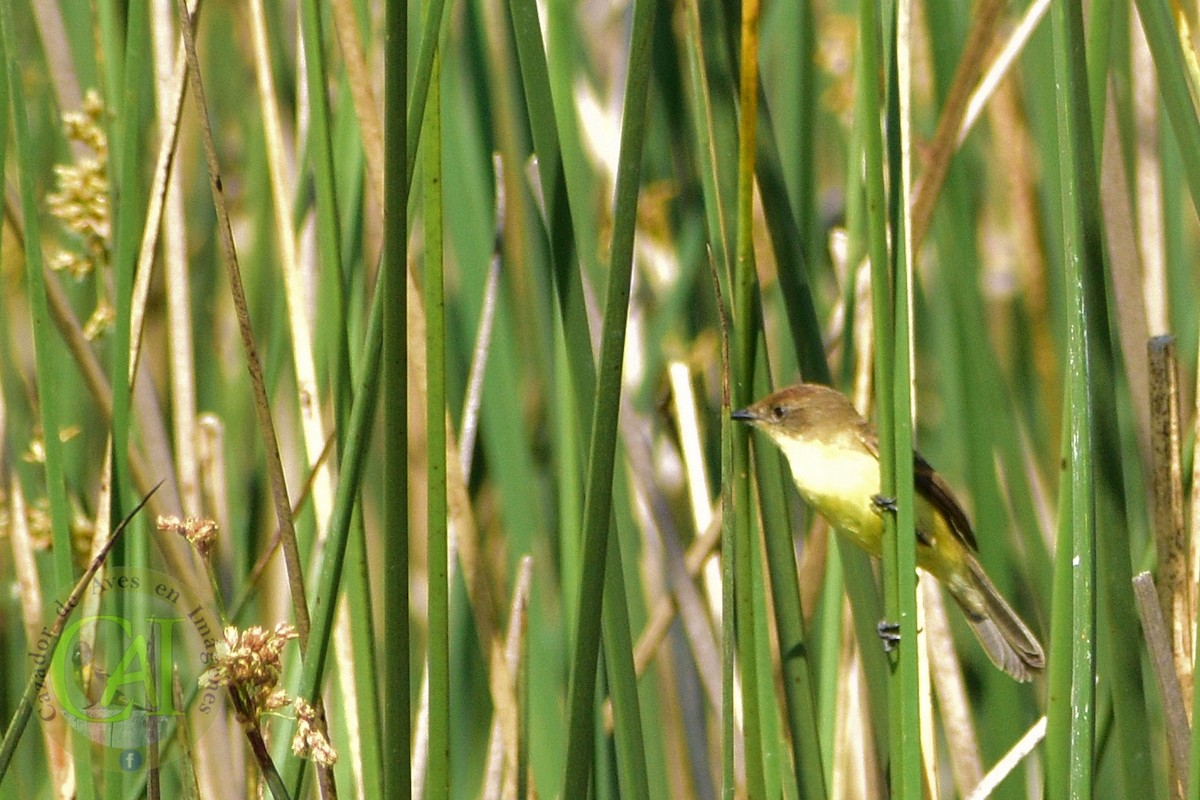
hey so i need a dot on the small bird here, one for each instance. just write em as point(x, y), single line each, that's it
point(834, 456)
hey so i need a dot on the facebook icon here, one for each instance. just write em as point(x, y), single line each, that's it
point(131, 760)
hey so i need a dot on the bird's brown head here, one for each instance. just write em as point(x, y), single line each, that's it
point(803, 411)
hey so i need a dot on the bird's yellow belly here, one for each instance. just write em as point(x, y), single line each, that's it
point(840, 482)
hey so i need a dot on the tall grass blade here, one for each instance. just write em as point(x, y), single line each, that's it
point(438, 774)
point(393, 290)
point(894, 328)
point(597, 518)
point(742, 548)
point(1071, 721)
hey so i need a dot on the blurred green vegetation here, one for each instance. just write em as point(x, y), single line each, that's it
point(607, 269)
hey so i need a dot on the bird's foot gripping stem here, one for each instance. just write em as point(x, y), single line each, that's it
point(884, 503)
point(889, 634)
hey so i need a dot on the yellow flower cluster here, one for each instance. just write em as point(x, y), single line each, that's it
point(81, 202)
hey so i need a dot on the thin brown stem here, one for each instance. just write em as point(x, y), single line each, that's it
point(262, 407)
point(945, 138)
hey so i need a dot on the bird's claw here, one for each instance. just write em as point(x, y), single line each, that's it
point(889, 634)
point(884, 503)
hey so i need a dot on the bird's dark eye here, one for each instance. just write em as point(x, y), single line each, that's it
point(777, 412)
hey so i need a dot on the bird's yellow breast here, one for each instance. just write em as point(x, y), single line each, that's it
point(839, 480)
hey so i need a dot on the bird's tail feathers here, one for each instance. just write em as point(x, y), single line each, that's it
point(1007, 641)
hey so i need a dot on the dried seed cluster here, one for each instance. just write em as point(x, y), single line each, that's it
point(249, 664)
point(201, 532)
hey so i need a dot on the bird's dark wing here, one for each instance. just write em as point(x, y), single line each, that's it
point(929, 484)
point(935, 490)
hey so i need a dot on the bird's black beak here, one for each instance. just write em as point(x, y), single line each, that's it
point(744, 414)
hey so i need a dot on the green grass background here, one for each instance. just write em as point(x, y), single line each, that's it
point(656, 213)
